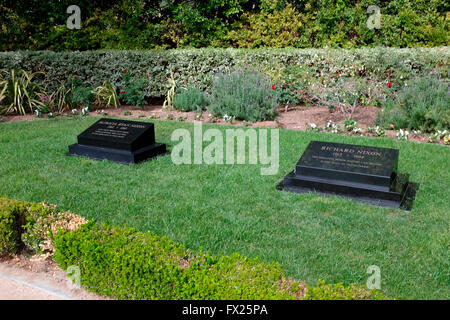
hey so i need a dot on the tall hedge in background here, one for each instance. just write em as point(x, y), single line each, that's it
point(197, 67)
point(150, 24)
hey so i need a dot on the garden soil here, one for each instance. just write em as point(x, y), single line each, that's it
point(38, 278)
point(294, 118)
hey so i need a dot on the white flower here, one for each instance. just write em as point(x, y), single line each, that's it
point(402, 134)
point(228, 118)
point(313, 126)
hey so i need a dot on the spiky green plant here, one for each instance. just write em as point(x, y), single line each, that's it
point(106, 95)
point(61, 97)
point(19, 92)
point(3, 88)
point(170, 96)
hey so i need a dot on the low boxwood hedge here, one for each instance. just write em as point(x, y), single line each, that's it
point(126, 264)
point(12, 218)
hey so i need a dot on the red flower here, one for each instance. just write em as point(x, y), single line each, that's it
point(124, 71)
point(290, 82)
point(389, 84)
point(76, 77)
point(147, 76)
point(122, 92)
point(273, 87)
point(338, 74)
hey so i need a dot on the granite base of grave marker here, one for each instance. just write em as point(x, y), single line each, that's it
point(366, 174)
point(120, 141)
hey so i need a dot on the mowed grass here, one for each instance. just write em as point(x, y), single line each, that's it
point(233, 208)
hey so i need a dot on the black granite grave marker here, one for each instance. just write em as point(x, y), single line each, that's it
point(367, 174)
point(118, 140)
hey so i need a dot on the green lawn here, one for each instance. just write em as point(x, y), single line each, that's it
point(226, 209)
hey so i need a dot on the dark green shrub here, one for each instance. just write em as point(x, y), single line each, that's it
point(424, 104)
point(144, 24)
point(287, 97)
point(133, 92)
point(245, 95)
point(82, 96)
point(12, 218)
point(190, 99)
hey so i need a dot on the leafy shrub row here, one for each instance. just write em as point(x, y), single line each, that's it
point(127, 264)
point(331, 77)
point(124, 263)
point(143, 24)
point(306, 69)
point(341, 79)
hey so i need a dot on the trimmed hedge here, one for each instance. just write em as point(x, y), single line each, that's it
point(12, 218)
point(196, 67)
point(126, 264)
